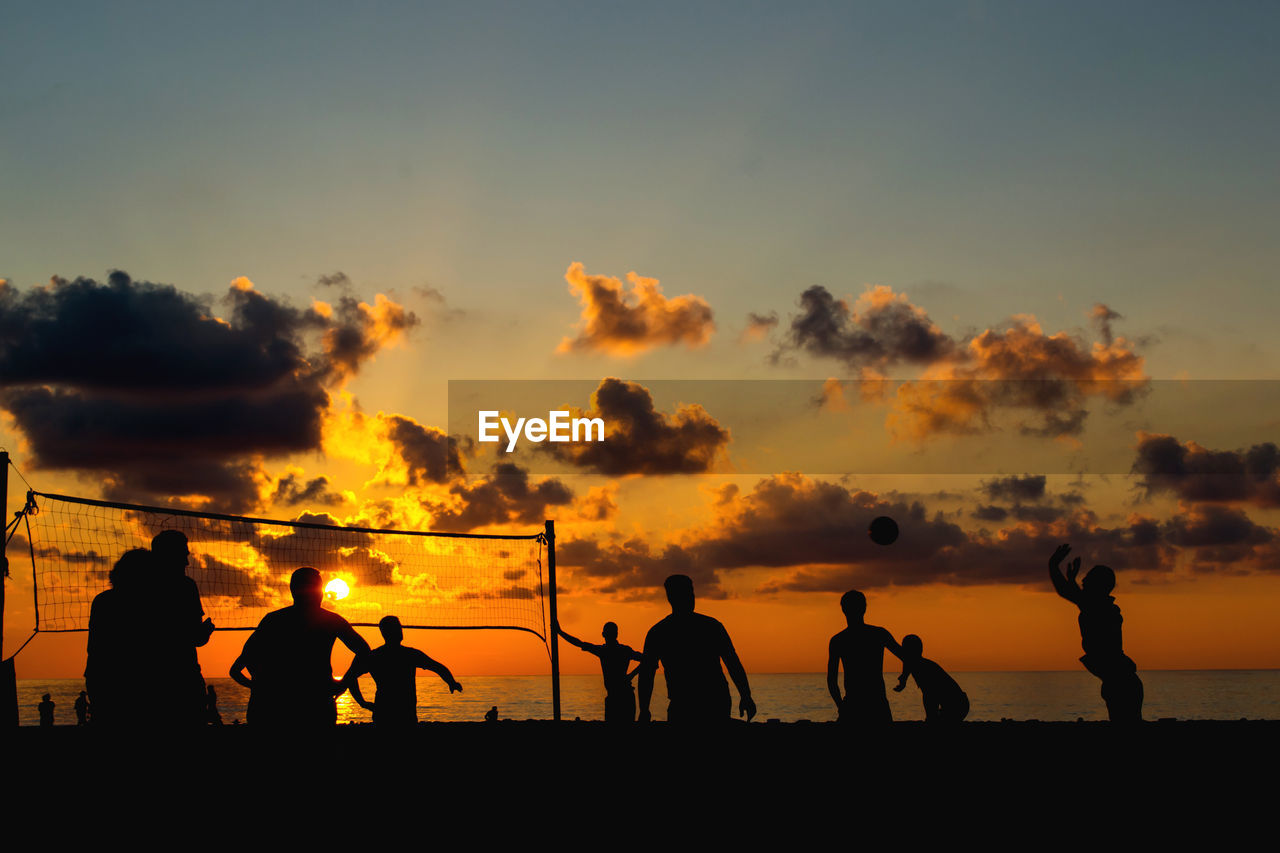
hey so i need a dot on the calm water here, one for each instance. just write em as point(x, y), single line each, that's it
point(1186, 695)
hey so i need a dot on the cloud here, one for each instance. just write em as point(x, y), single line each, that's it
point(144, 385)
point(429, 455)
point(1026, 488)
point(505, 496)
point(1222, 538)
point(1019, 368)
point(879, 330)
point(290, 490)
point(621, 323)
point(1104, 317)
point(1197, 474)
point(758, 326)
point(632, 569)
point(641, 440)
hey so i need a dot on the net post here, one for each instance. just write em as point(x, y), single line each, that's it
point(555, 622)
point(8, 675)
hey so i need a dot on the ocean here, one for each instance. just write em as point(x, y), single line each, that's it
point(789, 697)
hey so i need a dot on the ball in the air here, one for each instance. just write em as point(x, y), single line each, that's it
point(884, 530)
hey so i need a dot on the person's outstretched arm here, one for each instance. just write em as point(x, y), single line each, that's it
point(833, 674)
point(739, 675)
point(891, 644)
point(426, 662)
point(569, 638)
point(902, 679)
point(1065, 586)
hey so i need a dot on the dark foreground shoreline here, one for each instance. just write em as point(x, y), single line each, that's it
point(510, 773)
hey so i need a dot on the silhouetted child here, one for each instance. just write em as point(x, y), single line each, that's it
point(615, 658)
point(944, 701)
point(491, 715)
point(394, 668)
point(46, 710)
point(1100, 634)
point(860, 650)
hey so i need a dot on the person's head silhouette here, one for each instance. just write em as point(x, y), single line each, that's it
point(1100, 581)
point(392, 630)
point(912, 647)
point(307, 587)
point(854, 605)
point(610, 632)
point(171, 551)
point(680, 593)
point(132, 570)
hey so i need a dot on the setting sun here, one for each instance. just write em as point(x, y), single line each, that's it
point(337, 589)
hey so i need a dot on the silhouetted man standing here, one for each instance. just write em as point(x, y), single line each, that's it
point(181, 628)
point(394, 668)
point(289, 658)
point(690, 647)
point(859, 648)
point(615, 658)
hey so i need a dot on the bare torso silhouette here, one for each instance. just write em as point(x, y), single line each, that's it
point(689, 646)
point(289, 657)
point(859, 650)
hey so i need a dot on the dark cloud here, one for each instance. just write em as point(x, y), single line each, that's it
point(1224, 539)
point(1197, 474)
point(878, 331)
point(505, 496)
point(641, 440)
point(292, 491)
point(217, 577)
point(143, 385)
point(617, 322)
point(336, 279)
point(351, 551)
point(1029, 487)
point(429, 455)
point(632, 569)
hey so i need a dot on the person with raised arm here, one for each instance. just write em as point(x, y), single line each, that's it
point(1100, 634)
point(394, 668)
point(690, 647)
point(859, 648)
point(615, 658)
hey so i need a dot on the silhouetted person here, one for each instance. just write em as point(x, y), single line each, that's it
point(491, 715)
point(1100, 634)
point(179, 628)
point(690, 647)
point(944, 701)
point(211, 715)
point(121, 652)
point(394, 668)
point(289, 659)
point(860, 650)
point(46, 710)
point(615, 659)
point(82, 709)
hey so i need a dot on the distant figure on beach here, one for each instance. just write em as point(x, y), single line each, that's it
point(690, 647)
point(82, 709)
point(615, 658)
point(120, 651)
point(944, 701)
point(1100, 635)
point(46, 710)
point(491, 715)
point(859, 648)
point(394, 668)
point(180, 628)
point(289, 659)
point(211, 715)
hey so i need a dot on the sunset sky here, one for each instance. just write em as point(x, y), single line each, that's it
point(246, 250)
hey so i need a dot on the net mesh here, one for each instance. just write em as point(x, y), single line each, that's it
point(242, 567)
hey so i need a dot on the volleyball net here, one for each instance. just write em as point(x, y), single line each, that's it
point(242, 566)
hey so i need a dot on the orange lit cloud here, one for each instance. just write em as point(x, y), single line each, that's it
point(619, 322)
